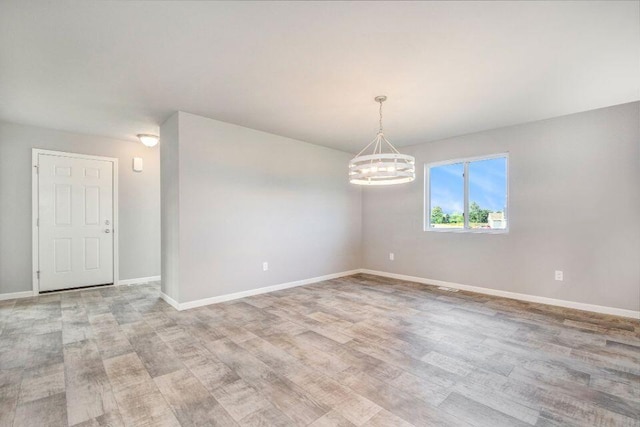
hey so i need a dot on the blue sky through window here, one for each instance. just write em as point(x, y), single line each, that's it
point(487, 185)
point(447, 187)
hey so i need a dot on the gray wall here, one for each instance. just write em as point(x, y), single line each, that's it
point(247, 197)
point(139, 202)
point(574, 206)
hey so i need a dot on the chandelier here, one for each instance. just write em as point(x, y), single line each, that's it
point(382, 164)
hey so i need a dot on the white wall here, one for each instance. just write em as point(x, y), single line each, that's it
point(139, 204)
point(574, 206)
point(246, 197)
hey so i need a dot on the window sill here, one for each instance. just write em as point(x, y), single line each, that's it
point(468, 230)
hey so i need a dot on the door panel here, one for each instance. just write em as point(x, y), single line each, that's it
point(91, 253)
point(62, 214)
point(75, 209)
point(92, 205)
point(62, 255)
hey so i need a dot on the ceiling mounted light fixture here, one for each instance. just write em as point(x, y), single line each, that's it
point(382, 164)
point(148, 140)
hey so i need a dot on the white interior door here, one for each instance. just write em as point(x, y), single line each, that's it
point(75, 222)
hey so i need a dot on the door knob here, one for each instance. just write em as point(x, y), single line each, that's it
point(107, 231)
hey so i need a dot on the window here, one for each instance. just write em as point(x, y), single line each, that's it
point(467, 195)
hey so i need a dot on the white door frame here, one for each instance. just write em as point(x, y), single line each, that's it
point(35, 209)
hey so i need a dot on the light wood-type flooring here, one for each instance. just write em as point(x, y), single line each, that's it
point(356, 351)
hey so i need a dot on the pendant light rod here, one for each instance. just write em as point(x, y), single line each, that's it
point(380, 99)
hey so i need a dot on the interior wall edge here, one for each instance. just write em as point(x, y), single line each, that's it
point(173, 303)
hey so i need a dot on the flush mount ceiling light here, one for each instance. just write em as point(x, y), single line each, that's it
point(148, 140)
point(382, 164)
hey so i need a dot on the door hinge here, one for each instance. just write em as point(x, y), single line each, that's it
point(37, 168)
point(37, 222)
point(38, 273)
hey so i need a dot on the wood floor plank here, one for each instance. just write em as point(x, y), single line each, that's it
point(47, 411)
point(266, 417)
point(499, 402)
point(399, 402)
point(110, 419)
point(355, 351)
point(88, 389)
point(476, 413)
point(10, 382)
point(285, 395)
point(385, 419)
point(190, 401)
point(332, 419)
point(156, 356)
point(241, 400)
point(126, 371)
point(142, 404)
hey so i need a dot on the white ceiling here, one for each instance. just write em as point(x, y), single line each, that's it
point(310, 70)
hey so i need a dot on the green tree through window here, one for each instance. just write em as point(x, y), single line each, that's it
point(478, 215)
point(437, 216)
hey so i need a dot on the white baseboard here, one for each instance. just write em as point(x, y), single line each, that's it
point(487, 291)
point(138, 280)
point(15, 295)
point(512, 295)
point(243, 294)
point(173, 303)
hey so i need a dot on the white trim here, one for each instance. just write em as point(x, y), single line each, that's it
point(469, 230)
point(35, 241)
point(173, 303)
point(74, 155)
point(138, 280)
point(512, 295)
point(16, 295)
point(35, 249)
point(426, 195)
point(116, 224)
point(465, 202)
point(251, 292)
point(469, 159)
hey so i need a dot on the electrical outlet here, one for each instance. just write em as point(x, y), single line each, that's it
point(265, 266)
point(392, 256)
point(559, 275)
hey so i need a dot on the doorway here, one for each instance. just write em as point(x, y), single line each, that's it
point(75, 243)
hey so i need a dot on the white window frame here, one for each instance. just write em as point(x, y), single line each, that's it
point(465, 228)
